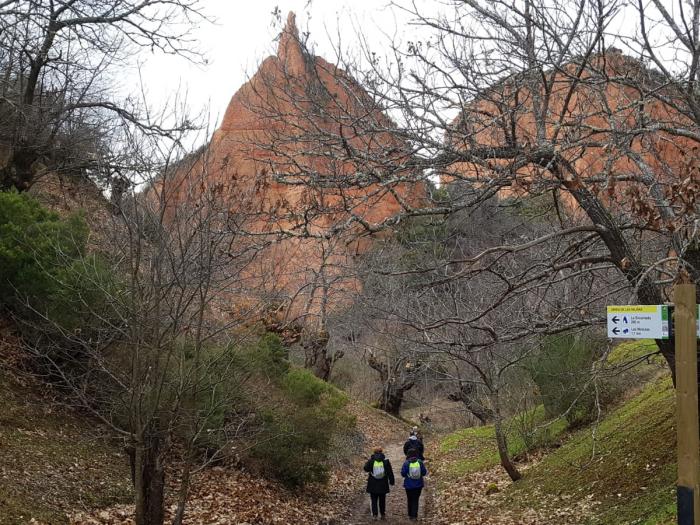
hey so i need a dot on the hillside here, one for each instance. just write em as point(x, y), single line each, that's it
point(82, 473)
point(620, 470)
point(53, 461)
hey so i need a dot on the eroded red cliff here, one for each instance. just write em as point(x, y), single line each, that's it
point(301, 159)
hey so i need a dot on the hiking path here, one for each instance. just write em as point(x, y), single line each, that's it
point(396, 510)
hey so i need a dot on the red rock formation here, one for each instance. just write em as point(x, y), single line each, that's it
point(595, 108)
point(291, 141)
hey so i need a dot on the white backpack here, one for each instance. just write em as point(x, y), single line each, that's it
point(414, 470)
point(378, 470)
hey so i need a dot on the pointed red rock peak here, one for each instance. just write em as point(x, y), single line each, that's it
point(291, 26)
point(289, 50)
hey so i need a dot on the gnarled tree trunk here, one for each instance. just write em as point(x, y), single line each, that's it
point(395, 383)
point(467, 394)
point(317, 357)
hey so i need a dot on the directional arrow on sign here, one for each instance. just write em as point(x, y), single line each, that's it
point(639, 321)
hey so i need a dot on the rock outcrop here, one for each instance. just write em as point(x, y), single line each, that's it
point(302, 160)
point(597, 120)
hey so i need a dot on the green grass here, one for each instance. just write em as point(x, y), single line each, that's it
point(474, 449)
point(622, 469)
point(631, 350)
point(52, 462)
point(627, 465)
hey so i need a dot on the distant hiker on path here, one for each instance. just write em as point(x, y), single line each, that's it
point(380, 477)
point(413, 472)
point(414, 443)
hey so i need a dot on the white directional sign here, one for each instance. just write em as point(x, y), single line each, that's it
point(638, 321)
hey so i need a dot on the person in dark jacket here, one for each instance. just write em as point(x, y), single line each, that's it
point(413, 471)
point(380, 477)
point(413, 443)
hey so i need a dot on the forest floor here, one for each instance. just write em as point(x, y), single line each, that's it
point(619, 471)
point(227, 496)
point(52, 460)
point(54, 463)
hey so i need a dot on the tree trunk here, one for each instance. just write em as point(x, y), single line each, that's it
point(467, 394)
point(392, 399)
point(150, 481)
point(324, 367)
point(623, 256)
point(502, 444)
point(317, 358)
point(184, 490)
point(18, 173)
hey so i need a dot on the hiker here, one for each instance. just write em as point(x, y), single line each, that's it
point(417, 432)
point(414, 443)
point(380, 477)
point(413, 471)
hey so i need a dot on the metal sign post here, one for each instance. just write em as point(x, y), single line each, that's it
point(688, 486)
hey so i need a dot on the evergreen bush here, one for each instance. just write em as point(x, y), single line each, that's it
point(563, 371)
point(298, 434)
point(36, 246)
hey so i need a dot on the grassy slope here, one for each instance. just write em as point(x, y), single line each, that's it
point(52, 461)
point(626, 463)
point(474, 449)
point(628, 467)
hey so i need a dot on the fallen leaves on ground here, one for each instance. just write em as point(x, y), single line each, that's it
point(472, 500)
point(226, 496)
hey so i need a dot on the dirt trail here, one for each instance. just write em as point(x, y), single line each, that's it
point(396, 511)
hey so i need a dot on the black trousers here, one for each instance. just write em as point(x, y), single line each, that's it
point(378, 499)
point(412, 497)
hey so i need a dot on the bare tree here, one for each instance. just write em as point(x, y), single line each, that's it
point(519, 101)
point(155, 358)
point(58, 108)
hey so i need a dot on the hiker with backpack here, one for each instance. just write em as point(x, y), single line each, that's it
point(413, 472)
point(380, 477)
point(414, 443)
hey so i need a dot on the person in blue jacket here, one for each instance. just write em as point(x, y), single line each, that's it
point(413, 471)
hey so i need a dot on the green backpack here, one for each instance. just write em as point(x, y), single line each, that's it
point(414, 470)
point(378, 470)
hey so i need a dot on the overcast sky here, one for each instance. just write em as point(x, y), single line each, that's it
point(244, 34)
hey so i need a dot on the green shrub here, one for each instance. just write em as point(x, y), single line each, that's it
point(562, 369)
point(305, 389)
point(268, 356)
point(216, 374)
point(297, 436)
point(533, 429)
point(35, 247)
point(85, 294)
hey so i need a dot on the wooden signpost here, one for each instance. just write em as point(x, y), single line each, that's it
point(652, 321)
point(688, 486)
